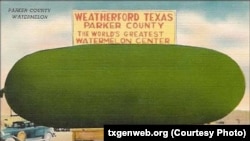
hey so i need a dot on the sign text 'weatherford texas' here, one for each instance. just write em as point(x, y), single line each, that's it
point(124, 27)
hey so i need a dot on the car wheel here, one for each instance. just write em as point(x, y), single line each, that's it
point(47, 137)
point(10, 139)
point(21, 136)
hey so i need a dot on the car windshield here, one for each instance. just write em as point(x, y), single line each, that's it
point(18, 124)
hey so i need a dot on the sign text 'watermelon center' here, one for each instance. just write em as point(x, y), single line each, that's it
point(124, 27)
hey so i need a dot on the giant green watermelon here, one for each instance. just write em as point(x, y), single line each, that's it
point(93, 85)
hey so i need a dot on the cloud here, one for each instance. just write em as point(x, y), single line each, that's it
point(195, 28)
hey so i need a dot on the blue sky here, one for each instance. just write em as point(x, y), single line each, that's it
point(218, 25)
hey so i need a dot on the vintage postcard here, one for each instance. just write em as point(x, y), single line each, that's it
point(68, 68)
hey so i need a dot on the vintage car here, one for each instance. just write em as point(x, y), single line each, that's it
point(28, 130)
